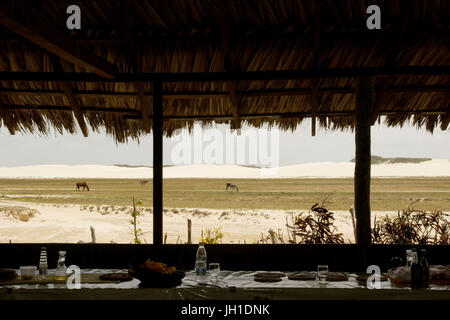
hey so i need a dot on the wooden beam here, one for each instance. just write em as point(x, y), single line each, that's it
point(137, 115)
point(157, 164)
point(73, 101)
point(175, 95)
point(246, 36)
point(144, 106)
point(56, 42)
point(333, 73)
point(362, 164)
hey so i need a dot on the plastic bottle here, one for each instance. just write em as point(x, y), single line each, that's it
point(61, 270)
point(201, 263)
point(43, 265)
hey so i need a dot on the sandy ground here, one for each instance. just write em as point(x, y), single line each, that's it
point(432, 168)
point(71, 224)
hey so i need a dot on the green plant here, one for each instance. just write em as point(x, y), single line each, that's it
point(212, 236)
point(135, 213)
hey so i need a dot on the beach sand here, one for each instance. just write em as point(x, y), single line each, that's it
point(71, 224)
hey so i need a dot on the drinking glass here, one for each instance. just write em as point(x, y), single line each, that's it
point(214, 269)
point(322, 272)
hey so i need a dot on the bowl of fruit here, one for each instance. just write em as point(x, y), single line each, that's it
point(156, 275)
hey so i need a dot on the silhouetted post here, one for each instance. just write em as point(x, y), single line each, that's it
point(362, 165)
point(157, 163)
point(189, 225)
point(93, 235)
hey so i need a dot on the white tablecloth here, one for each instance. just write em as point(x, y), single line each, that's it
point(227, 279)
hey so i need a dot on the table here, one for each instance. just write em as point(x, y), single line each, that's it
point(233, 285)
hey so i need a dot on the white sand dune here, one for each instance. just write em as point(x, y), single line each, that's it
point(432, 168)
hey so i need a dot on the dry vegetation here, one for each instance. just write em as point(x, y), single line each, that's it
point(315, 227)
point(412, 226)
point(18, 213)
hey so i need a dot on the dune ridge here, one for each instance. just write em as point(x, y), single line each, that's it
point(431, 168)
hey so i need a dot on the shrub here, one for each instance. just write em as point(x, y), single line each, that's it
point(412, 226)
point(135, 213)
point(212, 236)
point(315, 228)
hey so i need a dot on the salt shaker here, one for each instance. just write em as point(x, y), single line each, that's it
point(43, 265)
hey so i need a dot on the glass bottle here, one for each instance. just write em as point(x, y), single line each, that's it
point(61, 270)
point(415, 270)
point(424, 268)
point(43, 265)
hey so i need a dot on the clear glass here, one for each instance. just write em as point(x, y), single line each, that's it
point(214, 270)
point(61, 270)
point(322, 273)
point(408, 258)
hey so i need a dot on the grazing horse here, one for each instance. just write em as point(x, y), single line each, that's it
point(143, 182)
point(232, 187)
point(82, 185)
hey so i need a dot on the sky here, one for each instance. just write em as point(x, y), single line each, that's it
point(283, 148)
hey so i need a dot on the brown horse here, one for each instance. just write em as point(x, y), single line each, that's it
point(82, 185)
point(232, 187)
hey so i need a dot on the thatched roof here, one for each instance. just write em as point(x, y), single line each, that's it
point(206, 36)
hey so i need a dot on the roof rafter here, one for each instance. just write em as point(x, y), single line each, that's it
point(175, 95)
point(144, 106)
point(232, 76)
point(136, 114)
point(229, 66)
point(315, 65)
point(57, 43)
point(73, 101)
point(8, 121)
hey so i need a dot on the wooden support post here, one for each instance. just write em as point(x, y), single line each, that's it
point(362, 165)
point(316, 55)
point(314, 106)
point(93, 238)
point(189, 231)
point(157, 163)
